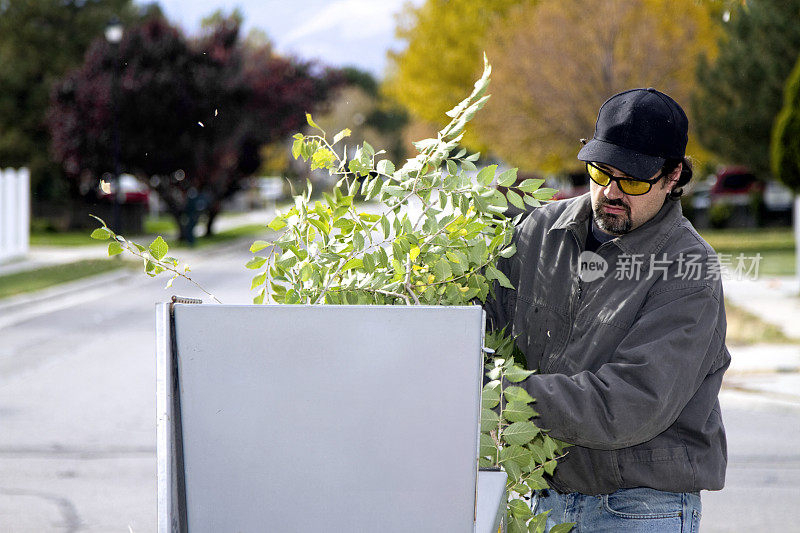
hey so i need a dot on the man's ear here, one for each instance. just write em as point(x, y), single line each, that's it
point(673, 178)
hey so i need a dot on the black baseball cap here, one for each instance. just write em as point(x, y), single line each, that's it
point(637, 131)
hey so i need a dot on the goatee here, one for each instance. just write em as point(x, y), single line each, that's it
point(612, 223)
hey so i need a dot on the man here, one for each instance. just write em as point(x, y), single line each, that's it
point(618, 305)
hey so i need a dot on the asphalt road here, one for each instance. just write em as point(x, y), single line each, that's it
point(78, 418)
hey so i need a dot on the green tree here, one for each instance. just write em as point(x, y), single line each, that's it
point(786, 146)
point(40, 40)
point(742, 91)
point(786, 134)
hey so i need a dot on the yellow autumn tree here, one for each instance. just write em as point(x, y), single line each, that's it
point(556, 62)
point(444, 42)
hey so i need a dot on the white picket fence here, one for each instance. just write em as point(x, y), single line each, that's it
point(14, 213)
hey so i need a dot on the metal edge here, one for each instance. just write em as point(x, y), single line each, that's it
point(164, 418)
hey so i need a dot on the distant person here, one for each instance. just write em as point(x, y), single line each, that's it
point(618, 305)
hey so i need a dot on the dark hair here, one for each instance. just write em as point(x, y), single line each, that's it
point(686, 175)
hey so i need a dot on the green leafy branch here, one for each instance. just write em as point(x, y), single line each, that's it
point(431, 237)
point(154, 258)
point(509, 438)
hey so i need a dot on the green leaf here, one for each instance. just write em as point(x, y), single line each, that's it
point(518, 454)
point(531, 201)
point(487, 446)
point(158, 248)
point(489, 420)
point(385, 167)
point(321, 225)
point(538, 523)
point(530, 185)
point(518, 412)
point(490, 397)
point(520, 433)
point(517, 525)
point(256, 262)
point(101, 234)
point(385, 226)
point(369, 263)
point(493, 273)
point(368, 150)
point(277, 224)
point(550, 466)
point(259, 299)
point(442, 270)
point(515, 374)
point(306, 271)
point(507, 178)
point(312, 123)
point(519, 509)
point(515, 199)
point(297, 148)
point(258, 246)
point(544, 194)
point(494, 373)
point(562, 528)
point(451, 167)
point(114, 248)
point(341, 135)
point(513, 470)
point(508, 251)
point(517, 394)
point(355, 262)
point(258, 280)
point(486, 175)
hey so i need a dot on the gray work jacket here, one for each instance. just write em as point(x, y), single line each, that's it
point(629, 366)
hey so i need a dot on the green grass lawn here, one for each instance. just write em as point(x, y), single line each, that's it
point(164, 226)
point(776, 246)
point(41, 278)
point(746, 328)
point(152, 226)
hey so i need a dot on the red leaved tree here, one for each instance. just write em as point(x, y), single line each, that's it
point(191, 115)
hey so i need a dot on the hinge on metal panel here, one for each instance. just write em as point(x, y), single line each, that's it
point(182, 300)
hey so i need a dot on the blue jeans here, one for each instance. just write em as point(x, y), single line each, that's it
point(639, 510)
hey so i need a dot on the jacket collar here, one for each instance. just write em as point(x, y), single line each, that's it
point(647, 239)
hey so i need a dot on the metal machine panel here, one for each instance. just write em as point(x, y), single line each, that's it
point(323, 418)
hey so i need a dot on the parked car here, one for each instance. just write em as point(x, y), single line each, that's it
point(735, 196)
point(132, 191)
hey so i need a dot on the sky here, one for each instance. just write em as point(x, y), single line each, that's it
point(336, 32)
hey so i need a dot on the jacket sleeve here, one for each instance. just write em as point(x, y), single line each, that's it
point(673, 344)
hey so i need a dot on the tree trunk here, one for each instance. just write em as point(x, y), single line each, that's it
point(212, 215)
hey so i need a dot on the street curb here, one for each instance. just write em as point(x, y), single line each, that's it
point(29, 299)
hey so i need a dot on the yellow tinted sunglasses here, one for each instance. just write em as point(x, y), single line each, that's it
point(629, 186)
